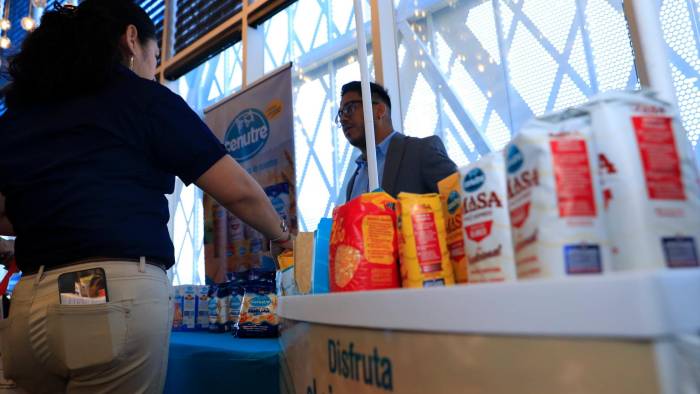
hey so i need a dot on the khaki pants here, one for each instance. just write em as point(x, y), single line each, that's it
point(117, 347)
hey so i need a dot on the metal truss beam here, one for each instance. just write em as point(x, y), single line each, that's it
point(440, 83)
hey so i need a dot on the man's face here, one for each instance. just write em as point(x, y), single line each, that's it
point(351, 119)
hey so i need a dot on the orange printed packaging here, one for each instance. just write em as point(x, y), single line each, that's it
point(363, 247)
point(451, 198)
point(425, 260)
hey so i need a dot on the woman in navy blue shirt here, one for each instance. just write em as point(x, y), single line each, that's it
point(89, 146)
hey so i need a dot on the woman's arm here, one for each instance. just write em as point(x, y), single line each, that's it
point(231, 185)
point(5, 225)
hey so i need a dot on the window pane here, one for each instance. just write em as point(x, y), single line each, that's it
point(681, 29)
point(318, 36)
point(486, 67)
point(201, 87)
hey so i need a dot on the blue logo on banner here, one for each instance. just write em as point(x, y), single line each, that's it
point(247, 134)
point(514, 159)
point(473, 180)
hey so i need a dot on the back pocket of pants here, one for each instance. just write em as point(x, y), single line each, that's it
point(87, 336)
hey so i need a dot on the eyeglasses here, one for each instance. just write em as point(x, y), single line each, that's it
point(347, 110)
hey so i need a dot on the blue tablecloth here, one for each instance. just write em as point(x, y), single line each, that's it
point(200, 362)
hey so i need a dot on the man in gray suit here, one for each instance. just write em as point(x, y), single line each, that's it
point(404, 164)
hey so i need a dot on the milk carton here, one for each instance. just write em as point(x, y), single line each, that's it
point(650, 181)
point(178, 294)
point(555, 199)
point(189, 307)
point(202, 322)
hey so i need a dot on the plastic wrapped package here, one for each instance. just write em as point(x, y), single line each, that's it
point(425, 259)
point(486, 220)
point(555, 199)
point(650, 182)
point(363, 246)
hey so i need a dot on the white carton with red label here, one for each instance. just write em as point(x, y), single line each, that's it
point(485, 223)
point(554, 198)
point(650, 182)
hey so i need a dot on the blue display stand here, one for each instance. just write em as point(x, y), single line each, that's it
point(200, 362)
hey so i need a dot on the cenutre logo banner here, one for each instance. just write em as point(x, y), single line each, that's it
point(256, 126)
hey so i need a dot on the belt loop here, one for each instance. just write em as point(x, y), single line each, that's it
point(39, 275)
point(142, 264)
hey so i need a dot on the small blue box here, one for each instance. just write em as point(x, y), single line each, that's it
point(320, 269)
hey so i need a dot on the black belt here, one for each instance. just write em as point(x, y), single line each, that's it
point(154, 263)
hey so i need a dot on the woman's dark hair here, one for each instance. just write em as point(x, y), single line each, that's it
point(73, 52)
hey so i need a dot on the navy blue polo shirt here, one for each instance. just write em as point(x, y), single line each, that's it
point(87, 178)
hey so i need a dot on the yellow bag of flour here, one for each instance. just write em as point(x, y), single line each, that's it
point(425, 260)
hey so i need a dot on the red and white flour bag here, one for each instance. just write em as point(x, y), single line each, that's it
point(554, 198)
point(650, 182)
point(485, 221)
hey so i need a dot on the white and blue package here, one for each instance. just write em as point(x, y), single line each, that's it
point(189, 308)
point(235, 301)
point(258, 318)
point(223, 295)
point(202, 322)
point(212, 308)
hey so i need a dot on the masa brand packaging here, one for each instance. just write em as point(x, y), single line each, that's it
point(425, 259)
point(486, 220)
point(555, 199)
point(650, 182)
point(451, 198)
point(363, 246)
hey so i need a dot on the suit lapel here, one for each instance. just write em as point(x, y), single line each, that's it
point(392, 163)
point(351, 184)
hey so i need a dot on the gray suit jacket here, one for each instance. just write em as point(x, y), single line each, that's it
point(413, 165)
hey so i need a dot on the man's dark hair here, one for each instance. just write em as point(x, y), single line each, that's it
point(378, 91)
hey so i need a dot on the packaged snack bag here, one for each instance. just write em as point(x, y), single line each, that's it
point(223, 301)
point(451, 199)
point(202, 322)
point(650, 182)
point(234, 307)
point(486, 221)
point(363, 247)
point(425, 260)
point(258, 317)
point(554, 198)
